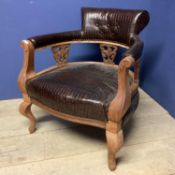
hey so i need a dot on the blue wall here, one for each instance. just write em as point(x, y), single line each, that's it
point(158, 64)
point(23, 18)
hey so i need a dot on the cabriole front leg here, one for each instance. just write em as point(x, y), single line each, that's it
point(25, 109)
point(114, 137)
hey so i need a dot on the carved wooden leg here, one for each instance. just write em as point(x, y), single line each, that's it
point(25, 109)
point(114, 136)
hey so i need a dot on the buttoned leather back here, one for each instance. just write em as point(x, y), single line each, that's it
point(113, 24)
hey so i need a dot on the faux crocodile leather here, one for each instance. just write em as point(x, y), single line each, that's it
point(83, 89)
point(114, 25)
point(136, 48)
point(44, 40)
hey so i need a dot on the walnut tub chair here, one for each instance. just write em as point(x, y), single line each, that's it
point(100, 94)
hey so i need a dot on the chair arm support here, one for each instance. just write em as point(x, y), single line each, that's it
point(49, 39)
point(120, 104)
point(28, 67)
point(135, 49)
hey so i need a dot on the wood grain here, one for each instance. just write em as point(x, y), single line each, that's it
point(117, 108)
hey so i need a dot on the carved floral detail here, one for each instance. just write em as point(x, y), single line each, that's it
point(60, 53)
point(108, 53)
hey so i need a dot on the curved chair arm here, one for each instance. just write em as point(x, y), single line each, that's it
point(122, 101)
point(50, 39)
point(136, 48)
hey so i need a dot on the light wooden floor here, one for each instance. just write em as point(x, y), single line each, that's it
point(62, 148)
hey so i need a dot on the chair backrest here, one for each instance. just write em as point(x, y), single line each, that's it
point(113, 24)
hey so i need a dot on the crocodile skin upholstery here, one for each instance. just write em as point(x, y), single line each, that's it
point(86, 89)
point(44, 40)
point(136, 48)
point(82, 89)
point(114, 25)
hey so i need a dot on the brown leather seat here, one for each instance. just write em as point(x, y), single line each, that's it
point(80, 89)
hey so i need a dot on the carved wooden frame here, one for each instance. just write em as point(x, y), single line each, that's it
point(61, 53)
point(108, 52)
point(117, 107)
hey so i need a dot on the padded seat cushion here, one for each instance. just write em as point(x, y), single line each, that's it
point(82, 89)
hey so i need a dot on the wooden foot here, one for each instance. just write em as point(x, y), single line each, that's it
point(114, 143)
point(25, 109)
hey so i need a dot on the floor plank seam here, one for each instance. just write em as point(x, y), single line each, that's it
point(157, 140)
point(79, 154)
point(54, 158)
point(37, 132)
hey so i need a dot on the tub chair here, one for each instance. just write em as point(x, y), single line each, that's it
point(100, 94)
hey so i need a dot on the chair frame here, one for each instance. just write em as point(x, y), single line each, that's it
point(117, 108)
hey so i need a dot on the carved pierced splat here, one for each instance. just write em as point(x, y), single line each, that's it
point(108, 53)
point(60, 53)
